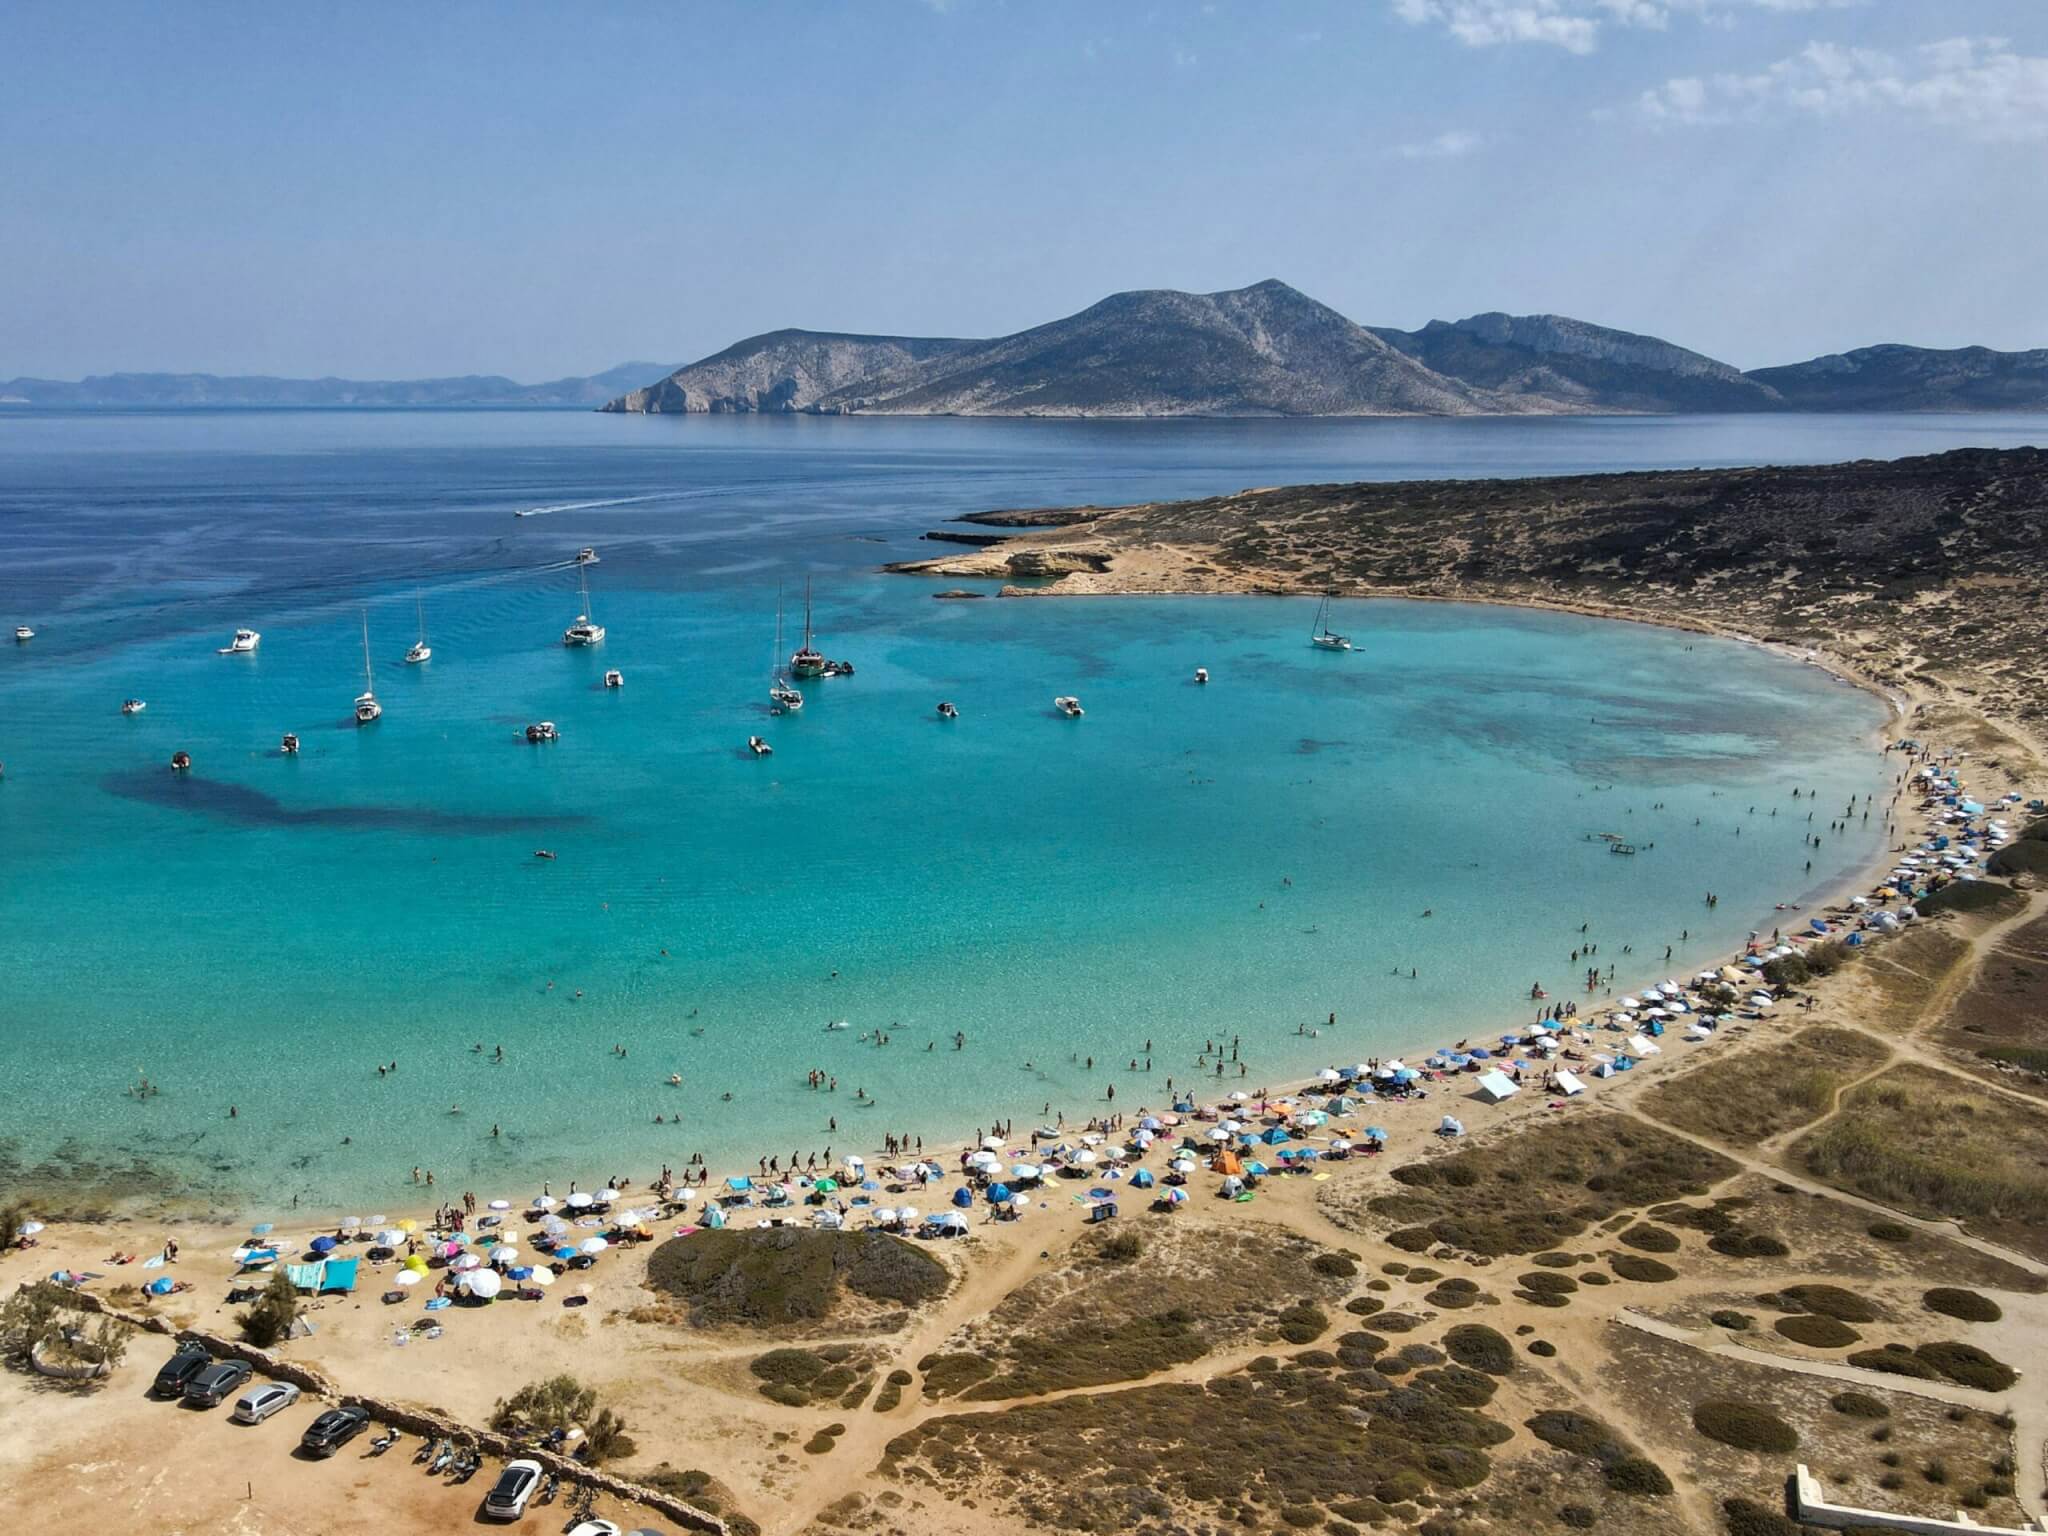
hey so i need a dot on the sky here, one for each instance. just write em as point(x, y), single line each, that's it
point(383, 191)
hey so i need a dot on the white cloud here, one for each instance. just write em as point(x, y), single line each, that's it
point(1575, 25)
point(1445, 146)
point(1975, 85)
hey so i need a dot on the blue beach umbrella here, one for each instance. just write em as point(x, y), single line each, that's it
point(1376, 1133)
point(322, 1244)
point(261, 1227)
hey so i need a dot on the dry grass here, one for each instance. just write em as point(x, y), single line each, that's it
point(1924, 1143)
point(1900, 978)
point(1999, 1026)
point(1753, 1095)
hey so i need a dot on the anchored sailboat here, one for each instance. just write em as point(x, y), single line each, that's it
point(1321, 636)
point(782, 694)
point(367, 707)
point(420, 651)
point(584, 631)
point(809, 661)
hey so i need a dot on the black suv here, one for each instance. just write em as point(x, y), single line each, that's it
point(217, 1382)
point(334, 1429)
point(188, 1362)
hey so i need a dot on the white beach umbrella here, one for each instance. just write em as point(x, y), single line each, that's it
point(1086, 1158)
point(992, 1143)
point(390, 1237)
point(407, 1277)
point(501, 1205)
point(542, 1278)
point(483, 1284)
point(1219, 1134)
point(465, 1261)
point(581, 1199)
point(906, 1214)
point(545, 1202)
point(593, 1245)
point(505, 1256)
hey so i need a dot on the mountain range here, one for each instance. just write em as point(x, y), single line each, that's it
point(148, 390)
point(1266, 350)
point(1269, 350)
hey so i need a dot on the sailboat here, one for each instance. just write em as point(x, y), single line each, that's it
point(1321, 636)
point(420, 651)
point(367, 707)
point(809, 661)
point(584, 631)
point(781, 694)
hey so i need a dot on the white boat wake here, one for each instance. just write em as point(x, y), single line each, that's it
point(585, 506)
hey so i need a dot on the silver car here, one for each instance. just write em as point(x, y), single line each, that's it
point(260, 1402)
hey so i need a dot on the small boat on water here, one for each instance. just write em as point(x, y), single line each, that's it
point(23, 634)
point(290, 745)
point(420, 651)
point(947, 711)
point(245, 641)
point(1321, 636)
point(1201, 674)
point(132, 706)
point(784, 697)
point(543, 730)
point(543, 853)
point(586, 556)
point(759, 747)
point(1069, 706)
point(585, 631)
point(368, 710)
point(838, 669)
point(615, 678)
point(181, 762)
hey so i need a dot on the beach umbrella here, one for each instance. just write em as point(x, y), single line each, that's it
point(1256, 1168)
point(827, 1220)
point(580, 1200)
point(1219, 1134)
point(593, 1245)
point(501, 1205)
point(1329, 1075)
point(31, 1228)
point(322, 1245)
point(261, 1228)
point(465, 1262)
point(408, 1226)
point(1086, 1158)
point(390, 1237)
point(882, 1216)
point(906, 1214)
point(554, 1226)
point(1020, 1202)
point(992, 1143)
point(542, 1278)
point(1375, 1133)
point(505, 1255)
point(417, 1263)
point(483, 1284)
point(1184, 1165)
point(1150, 1123)
point(407, 1277)
point(825, 1186)
point(544, 1202)
point(1026, 1173)
point(984, 1160)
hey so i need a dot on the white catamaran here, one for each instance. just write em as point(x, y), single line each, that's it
point(585, 631)
point(809, 661)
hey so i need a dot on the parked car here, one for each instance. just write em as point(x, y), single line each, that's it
point(509, 1494)
point(172, 1375)
point(595, 1528)
point(262, 1400)
point(217, 1382)
point(334, 1429)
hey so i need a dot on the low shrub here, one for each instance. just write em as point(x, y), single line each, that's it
point(1648, 1271)
point(1890, 1231)
point(1545, 1280)
point(1340, 1266)
point(1737, 1243)
point(1738, 1322)
point(1859, 1405)
point(1968, 1366)
point(1817, 1332)
point(1543, 1349)
point(1579, 1433)
point(1651, 1239)
point(1481, 1348)
point(1964, 1306)
point(1638, 1476)
point(1743, 1517)
point(1844, 1306)
point(1744, 1426)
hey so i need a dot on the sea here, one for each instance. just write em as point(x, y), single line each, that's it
point(895, 924)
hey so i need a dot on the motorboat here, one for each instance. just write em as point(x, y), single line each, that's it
point(809, 661)
point(838, 669)
point(543, 730)
point(181, 762)
point(784, 698)
point(245, 641)
point(759, 747)
point(1068, 705)
point(23, 634)
point(615, 678)
point(368, 710)
point(585, 631)
point(290, 745)
point(544, 853)
point(1201, 674)
point(421, 651)
point(1321, 636)
point(132, 706)
point(947, 711)
point(586, 556)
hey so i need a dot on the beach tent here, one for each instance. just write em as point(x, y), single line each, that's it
point(1142, 1179)
point(1450, 1125)
point(1497, 1085)
point(338, 1275)
point(1640, 1045)
point(1569, 1086)
point(963, 1197)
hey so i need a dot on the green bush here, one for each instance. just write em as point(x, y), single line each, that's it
point(563, 1402)
point(1579, 1433)
point(1737, 1243)
point(1638, 1476)
point(1339, 1266)
point(1965, 1306)
point(1746, 1518)
point(1890, 1231)
point(1844, 1306)
point(1546, 1280)
point(1968, 1366)
point(269, 1321)
point(1632, 1266)
point(1738, 1322)
point(1480, 1348)
point(1651, 1239)
point(1744, 1426)
point(1859, 1405)
point(1364, 1306)
point(1817, 1332)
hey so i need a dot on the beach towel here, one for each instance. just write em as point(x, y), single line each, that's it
point(306, 1277)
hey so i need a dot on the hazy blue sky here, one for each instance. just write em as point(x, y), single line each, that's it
point(384, 190)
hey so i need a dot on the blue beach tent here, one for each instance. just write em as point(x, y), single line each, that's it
point(963, 1197)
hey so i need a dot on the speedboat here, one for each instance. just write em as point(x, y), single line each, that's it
point(809, 661)
point(586, 556)
point(132, 706)
point(947, 711)
point(1201, 674)
point(245, 641)
point(759, 747)
point(368, 709)
point(543, 853)
point(421, 651)
point(585, 631)
point(1068, 705)
point(786, 699)
point(838, 669)
point(23, 634)
point(615, 678)
point(181, 762)
point(1321, 636)
point(290, 745)
point(543, 731)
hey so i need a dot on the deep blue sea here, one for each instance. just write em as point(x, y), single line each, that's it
point(1183, 864)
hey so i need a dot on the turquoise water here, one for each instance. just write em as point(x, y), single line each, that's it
point(1183, 864)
